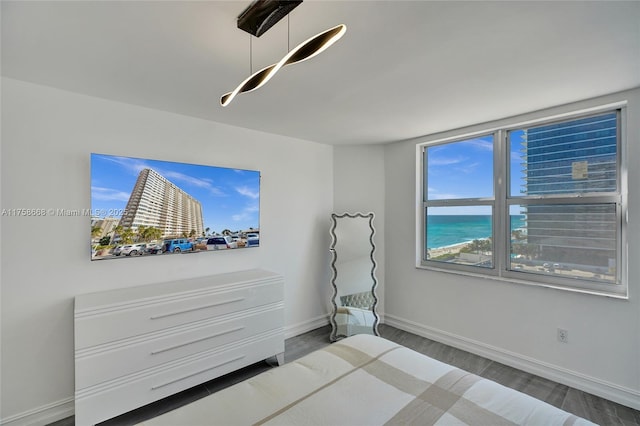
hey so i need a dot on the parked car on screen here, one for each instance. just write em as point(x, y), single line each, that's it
point(154, 249)
point(177, 245)
point(133, 249)
point(118, 250)
point(253, 240)
point(222, 242)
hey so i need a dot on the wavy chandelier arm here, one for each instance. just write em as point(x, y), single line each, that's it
point(305, 50)
point(252, 82)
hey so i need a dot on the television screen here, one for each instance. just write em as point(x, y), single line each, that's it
point(142, 207)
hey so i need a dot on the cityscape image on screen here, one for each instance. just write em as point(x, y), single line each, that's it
point(143, 207)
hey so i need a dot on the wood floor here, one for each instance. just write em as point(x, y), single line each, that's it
point(591, 407)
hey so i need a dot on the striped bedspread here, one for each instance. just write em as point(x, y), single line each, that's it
point(367, 380)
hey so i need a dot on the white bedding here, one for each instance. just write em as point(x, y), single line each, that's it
point(367, 380)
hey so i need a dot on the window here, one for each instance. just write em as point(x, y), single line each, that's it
point(457, 212)
point(540, 203)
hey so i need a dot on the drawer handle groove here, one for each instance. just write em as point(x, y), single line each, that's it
point(233, 330)
point(197, 308)
point(197, 372)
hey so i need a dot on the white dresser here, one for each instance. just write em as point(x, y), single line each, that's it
point(139, 344)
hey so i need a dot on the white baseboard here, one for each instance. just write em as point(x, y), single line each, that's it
point(43, 415)
point(303, 327)
point(601, 388)
point(312, 324)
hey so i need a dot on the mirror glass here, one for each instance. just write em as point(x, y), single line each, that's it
point(354, 281)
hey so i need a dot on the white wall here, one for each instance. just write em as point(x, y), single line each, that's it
point(47, 136)
point(359, 173)
point(511, 322)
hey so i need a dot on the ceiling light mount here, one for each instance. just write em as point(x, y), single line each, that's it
point(264, 14)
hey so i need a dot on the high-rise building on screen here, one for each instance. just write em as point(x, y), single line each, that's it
point(157, 202)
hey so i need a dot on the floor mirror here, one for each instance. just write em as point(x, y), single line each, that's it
point(354, 275)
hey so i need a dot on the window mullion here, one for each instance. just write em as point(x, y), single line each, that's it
point(501, 209)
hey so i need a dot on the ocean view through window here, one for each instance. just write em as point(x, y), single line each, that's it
point(451, 230)
point(459, 215)
point(541, 203)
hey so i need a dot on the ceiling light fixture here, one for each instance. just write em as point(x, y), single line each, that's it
point(302, 52)
point(256, 20)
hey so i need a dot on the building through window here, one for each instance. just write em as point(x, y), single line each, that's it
point(572, 158)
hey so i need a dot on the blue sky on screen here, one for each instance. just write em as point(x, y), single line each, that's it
point(230, 198)
point(464, 169)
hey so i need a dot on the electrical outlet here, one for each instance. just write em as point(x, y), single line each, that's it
point(563, 336)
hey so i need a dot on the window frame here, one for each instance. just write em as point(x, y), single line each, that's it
point(479, 201)
point(502, 200)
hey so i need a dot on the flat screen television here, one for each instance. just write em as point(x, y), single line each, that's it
point(142, 207)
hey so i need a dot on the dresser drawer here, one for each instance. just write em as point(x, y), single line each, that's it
point(152, 349)
point(103, 401)
point(116, 322)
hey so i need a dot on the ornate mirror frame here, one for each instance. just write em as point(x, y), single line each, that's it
point(370, 300)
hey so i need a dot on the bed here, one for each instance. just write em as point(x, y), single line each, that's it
point(367, 380)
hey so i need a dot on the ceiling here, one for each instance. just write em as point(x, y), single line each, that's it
point(403, 69)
